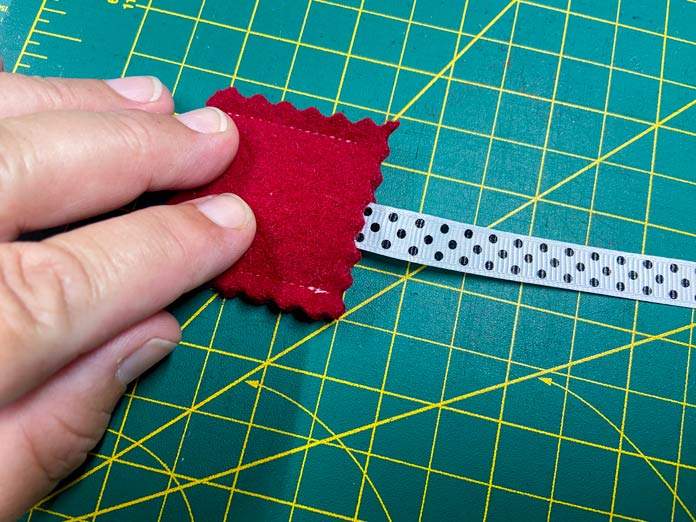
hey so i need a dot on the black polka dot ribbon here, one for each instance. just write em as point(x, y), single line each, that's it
point(428, 240)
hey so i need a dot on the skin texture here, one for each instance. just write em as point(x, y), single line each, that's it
point(72, 336)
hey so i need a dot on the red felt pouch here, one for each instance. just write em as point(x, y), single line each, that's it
point(308, 179)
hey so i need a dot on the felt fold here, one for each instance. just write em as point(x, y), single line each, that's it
point(308, 179)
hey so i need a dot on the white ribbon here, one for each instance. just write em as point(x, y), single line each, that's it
point(429, 240)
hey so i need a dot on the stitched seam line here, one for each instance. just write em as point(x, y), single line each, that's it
point(312, 289)
point(295, 128)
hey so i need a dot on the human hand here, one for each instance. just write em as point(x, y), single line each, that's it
point(80, 312)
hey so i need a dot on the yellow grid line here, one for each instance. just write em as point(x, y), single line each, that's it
point(146, 11)
point(247, 33)
point(252, 416)
point(451, 66)
point(291, 69)
point(339, 91)
point(34, 55)
point(381, 395)
point(198, 312)
point(629, 373)
point(196, 22)
point(399, 65)
point(314, 417)
point(587, 240)
point(55, 35)
point(520, 291)
point(193, 402)
point(687, 371)
point(450, 349)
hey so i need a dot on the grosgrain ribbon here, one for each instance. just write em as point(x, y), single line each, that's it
point(433, 241)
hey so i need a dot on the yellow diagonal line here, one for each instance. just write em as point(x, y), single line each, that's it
point(454, 60)
point(606, 419)
point(423, 409)
point(592, 165)
point(57, 514)
point(198, 312)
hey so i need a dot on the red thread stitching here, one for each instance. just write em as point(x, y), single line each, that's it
point(310, 288)
point(293, 128)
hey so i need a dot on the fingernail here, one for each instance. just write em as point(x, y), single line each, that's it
point(141, 89)
point(143, 359)
point(207, 120)
point(226, 210)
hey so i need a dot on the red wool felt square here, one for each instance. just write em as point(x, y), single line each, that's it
point(308, 179)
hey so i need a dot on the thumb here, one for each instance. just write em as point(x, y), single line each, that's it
point(46, 434)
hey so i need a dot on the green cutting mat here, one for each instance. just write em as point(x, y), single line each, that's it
point(437, 396)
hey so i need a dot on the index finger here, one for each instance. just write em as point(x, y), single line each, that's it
point(59, 167)
point(29, 94)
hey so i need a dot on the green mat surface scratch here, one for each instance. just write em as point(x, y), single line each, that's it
point(432, 398)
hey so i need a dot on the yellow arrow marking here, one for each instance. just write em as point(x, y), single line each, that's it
point(550, 382)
